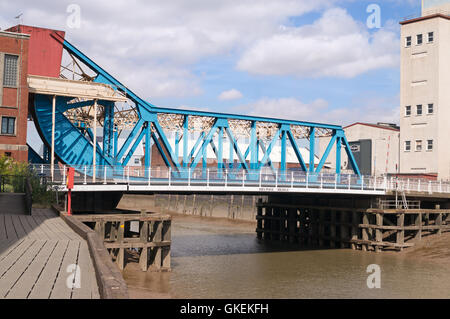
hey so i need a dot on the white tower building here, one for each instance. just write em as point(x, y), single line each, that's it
point(425, 91)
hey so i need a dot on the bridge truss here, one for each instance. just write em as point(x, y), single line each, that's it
point(76, 120)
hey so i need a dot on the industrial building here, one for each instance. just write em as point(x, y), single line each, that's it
point(374, 146)
point(420, 149)
point(228, 156)
point(425, 95)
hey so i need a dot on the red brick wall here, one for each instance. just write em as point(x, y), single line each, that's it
point(21, 156)
point(44, 50)
point(11, 106)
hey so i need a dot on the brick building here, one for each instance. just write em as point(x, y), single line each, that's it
point(13, 94)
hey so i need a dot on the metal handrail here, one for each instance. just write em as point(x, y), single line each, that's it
point(213, 177)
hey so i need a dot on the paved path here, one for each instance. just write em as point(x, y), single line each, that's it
point(39, 254)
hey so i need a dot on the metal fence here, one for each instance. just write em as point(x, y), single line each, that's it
point(12, 184)
point(213, 177)
point(395, 204)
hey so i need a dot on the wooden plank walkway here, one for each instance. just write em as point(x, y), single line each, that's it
point(39, 257)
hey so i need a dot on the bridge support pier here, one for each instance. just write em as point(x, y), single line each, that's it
point(91, 202)
point(335, 225)
point(144, 237)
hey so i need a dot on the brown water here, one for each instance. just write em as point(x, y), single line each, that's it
point(223, 259)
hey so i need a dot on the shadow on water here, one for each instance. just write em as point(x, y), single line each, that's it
point(233, 244)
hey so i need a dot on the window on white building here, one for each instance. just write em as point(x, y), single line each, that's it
point(407, 146)
point(430, 37)
point(419, 146)
point(408, 110)
point(419, 39)
point(408, 42)
point(430, 108)
point(419, 109)
point(429, 145)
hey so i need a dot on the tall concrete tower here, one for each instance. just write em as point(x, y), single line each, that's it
point(435, 6)
point(425, 91)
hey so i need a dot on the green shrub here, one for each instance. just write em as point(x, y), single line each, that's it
point(10, 167)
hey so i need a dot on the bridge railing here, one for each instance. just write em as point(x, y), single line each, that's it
point(213, 177)
point(421, 185)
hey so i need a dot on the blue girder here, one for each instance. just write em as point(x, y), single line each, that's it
point(73, 148)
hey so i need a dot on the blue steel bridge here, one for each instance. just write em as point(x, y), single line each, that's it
point(69, 113)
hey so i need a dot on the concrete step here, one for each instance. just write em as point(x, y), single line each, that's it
point(12, 204)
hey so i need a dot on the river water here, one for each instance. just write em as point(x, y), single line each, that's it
point(224, 259)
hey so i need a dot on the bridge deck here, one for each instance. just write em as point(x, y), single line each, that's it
point(211, 181)
point(35, 253)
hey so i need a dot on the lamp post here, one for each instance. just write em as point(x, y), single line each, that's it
point(52, 156)
point(94, 156)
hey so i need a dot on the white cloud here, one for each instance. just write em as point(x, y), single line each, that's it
point(232, 94)
point(287, 108)
point(368, 109)
point(334, 46)
point(153, 44)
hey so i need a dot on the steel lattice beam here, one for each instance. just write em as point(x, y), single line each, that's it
point(149, 124)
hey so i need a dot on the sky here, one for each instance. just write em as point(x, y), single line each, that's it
point(318, 61)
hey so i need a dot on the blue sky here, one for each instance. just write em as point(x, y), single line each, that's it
point(379, 85)
point(308, 60)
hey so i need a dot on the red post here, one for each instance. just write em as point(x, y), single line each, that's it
point(69, 202)
point(70, 182)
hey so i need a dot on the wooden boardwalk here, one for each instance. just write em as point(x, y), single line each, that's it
point(39, 255)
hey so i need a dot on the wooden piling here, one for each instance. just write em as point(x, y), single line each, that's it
point(400, 230)
point(333, 229)
point(418, 223)
point(321, 226)
point(365, 233)
point(354, 229)
point(366, 229)
point(439, 223)
point(378, 231)
point(144, 236)
point(259, 220)
point(292, 225)
point(152, 243)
